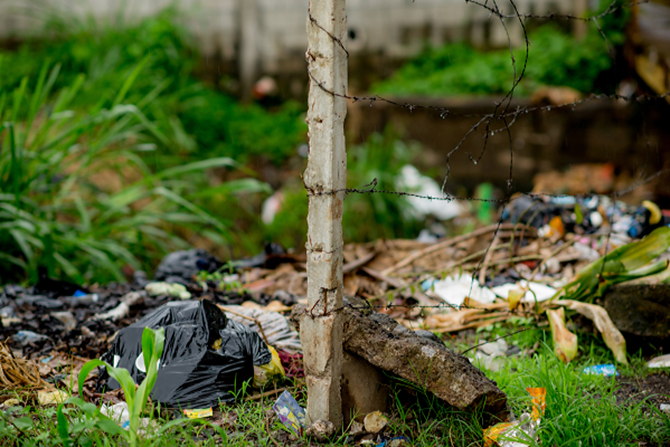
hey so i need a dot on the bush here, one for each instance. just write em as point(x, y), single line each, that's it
point(554, 58)
point(76, 198)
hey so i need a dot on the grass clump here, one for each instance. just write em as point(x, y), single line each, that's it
point(555, 58)
point(582, 409)
point(77, 197)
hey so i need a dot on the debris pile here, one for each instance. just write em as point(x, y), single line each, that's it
point(226, 323)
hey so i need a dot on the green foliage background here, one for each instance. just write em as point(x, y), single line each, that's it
point(555, 58)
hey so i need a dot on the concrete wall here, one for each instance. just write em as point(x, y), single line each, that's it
point(390, 28)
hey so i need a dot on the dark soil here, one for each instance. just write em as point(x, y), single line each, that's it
point(653, 389)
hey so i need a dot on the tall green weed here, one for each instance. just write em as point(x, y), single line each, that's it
point(57, 210)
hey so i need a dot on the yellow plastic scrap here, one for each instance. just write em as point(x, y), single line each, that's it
point(520, 432)
point(539, 402)
point(493, 433)
point(264, 373)
point(199, 413)
point(514, 297)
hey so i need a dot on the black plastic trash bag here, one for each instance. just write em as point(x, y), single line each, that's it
point(206, 355)
point(182, 266)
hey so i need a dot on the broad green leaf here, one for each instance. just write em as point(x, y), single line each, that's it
point(24, 423)
point(85, 371)
point(630, 261)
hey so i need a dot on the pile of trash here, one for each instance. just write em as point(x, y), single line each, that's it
point(227, 322)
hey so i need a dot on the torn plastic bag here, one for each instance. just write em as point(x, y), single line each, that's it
point(206, 355)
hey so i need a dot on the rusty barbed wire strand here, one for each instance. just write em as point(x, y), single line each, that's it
point(507, 115)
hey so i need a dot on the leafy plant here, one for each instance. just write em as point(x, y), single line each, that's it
point(136, 397)
point(625, 263)
point(554, 58)
point(76, 197)
point(187, 116)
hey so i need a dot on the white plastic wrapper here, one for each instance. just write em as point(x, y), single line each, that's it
point(275, 326)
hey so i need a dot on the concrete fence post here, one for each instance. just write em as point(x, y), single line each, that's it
point(325, 179)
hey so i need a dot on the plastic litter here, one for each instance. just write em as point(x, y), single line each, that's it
point(532, 291)
point(290, 413)
point(273, 326)
point(206, 355)
point(662, 361)
point(174, 290)
point(51, 397)
point(454, 289)
point(607, 370)
point(123, 308)
point(23, 338)
point(584, 215)
point(491, 355)
point(117, 412)
point(199, 413)
point(410, 179)
point(82, 299)
point(264, 373)
point(523, 431)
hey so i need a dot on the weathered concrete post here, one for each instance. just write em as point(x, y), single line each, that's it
point(325, 179)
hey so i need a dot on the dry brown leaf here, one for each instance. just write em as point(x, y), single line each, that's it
point(601, 319)
point(565, 342)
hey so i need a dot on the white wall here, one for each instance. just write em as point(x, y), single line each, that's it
point(395, 28)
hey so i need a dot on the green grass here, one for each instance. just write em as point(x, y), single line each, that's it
point(581, 410)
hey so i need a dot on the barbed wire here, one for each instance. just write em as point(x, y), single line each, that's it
point(371, 188)
point(504, 113)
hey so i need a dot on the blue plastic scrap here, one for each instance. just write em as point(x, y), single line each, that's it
point(396, 438)
point(607, 370)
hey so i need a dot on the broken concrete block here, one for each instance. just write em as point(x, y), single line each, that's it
point(640, 309)
point(389, 346)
